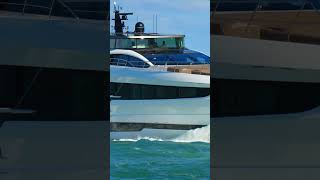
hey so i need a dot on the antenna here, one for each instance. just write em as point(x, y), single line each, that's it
point(153, 23)
point(156, 23)
point(119, 18)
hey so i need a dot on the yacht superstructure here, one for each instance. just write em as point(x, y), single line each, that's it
point(274, 50)
point(52, 74)
point(158, 88)
point(266, 83)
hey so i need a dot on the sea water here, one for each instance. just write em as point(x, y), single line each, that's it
point(182, 158)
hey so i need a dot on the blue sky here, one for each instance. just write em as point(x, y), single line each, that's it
point(188, 17)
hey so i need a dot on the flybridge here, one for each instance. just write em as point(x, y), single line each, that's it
point(146, 42)
point(139, 39)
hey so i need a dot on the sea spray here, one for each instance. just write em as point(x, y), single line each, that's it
point(195, 135)
point(138, 139)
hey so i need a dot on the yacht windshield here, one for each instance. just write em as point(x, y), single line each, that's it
point(178, 59)
point(147, 43)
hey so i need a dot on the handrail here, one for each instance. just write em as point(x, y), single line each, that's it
point(252, 16)
point(73, 13)
point(218, 2)
point(188, 69)
point(24, 6)
point(267, 25)
point(30, 5)
point(124, 62)
point(290, 25)
point(51, 8)
point(69, 9)
point(258, 6)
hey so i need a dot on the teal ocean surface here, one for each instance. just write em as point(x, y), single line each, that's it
point(153, 159)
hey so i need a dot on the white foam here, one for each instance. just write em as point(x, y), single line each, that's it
point(195, 135)
point(138, 139)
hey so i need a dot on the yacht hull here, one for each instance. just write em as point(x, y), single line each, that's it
point(264, 53)
point(30, 40)
point(267, 144)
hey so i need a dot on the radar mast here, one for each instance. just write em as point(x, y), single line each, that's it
point(119, 19)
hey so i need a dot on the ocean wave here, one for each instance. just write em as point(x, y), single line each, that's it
point(195, 135)
point(138, 139)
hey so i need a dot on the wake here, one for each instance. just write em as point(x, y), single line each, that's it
point(195, 135)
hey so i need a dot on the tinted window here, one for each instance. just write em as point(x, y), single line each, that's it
point(119, 60)
point(262, 97)
point(32, 93)
point(164, 43)
point(141, 91)
point(135, 62)
point(178, 59)
point(125, 60)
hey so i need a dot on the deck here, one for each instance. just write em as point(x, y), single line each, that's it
point(191, 69)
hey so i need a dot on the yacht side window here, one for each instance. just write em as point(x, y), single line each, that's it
point(136, 62)
point(119, 60)
point(141, 91)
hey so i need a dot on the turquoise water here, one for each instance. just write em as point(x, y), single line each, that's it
point(145, 159)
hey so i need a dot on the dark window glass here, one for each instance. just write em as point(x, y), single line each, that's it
point(178, 59)
point(262, 97)
point(141, 91)
point(135, 62)
point(124, 60)
point(119, 60)
point(45, 94)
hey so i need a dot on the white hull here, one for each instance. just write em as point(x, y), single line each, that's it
point(157, 76)
point(243, 58)
point(268, 144)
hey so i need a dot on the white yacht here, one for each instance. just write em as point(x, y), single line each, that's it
point(53, 121)
point(158, 88)
point(266, 84)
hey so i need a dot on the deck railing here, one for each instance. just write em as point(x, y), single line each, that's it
point(300, 24)
point(141, 64)
point(74, 13)
point(163, 66)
